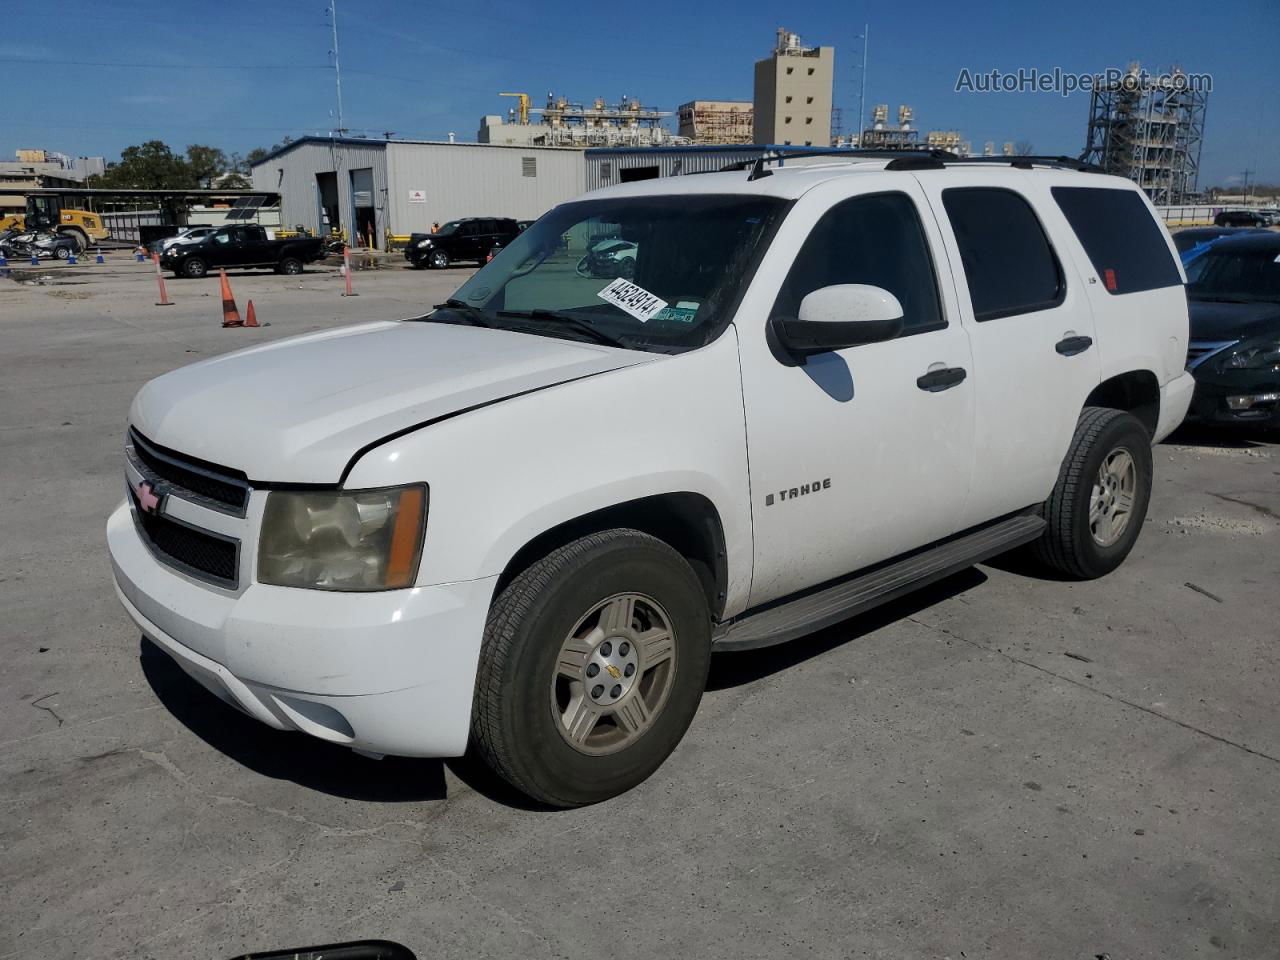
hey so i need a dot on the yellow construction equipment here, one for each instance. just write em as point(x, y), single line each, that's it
point(523, 110)
point(46, 213)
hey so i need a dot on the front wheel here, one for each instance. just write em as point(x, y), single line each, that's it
point(62, 253)
point(1098, 506)
point(195, 268)
point(593, 664)
point(438, 259)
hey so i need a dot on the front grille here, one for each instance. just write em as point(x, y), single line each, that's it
point(201, 554)
point(1198, 351)
point(220, 487)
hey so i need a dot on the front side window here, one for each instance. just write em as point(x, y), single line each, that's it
point(654, 273)
point(1124, 243)
point(876, 240)
point(1008, 262)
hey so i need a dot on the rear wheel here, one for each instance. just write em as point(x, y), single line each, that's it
point(194, 268)
point(62, 253)
point(593, 664)
point(1099, 503)
point(289, 266)
point(79, 236)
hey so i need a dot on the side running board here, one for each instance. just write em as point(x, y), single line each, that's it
point(795, 618)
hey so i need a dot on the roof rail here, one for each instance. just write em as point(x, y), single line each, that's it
point(1036, 160)
point(757, 165)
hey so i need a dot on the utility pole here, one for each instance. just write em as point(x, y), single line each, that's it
point(1244, 191)
point(337, 68)
point(862, 91)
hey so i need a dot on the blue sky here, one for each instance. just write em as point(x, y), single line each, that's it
point(238, 75)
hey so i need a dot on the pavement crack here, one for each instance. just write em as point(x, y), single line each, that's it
point(1116, 698)
point(1255, 507)
point(54, 713)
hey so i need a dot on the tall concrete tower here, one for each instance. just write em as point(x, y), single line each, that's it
point(793, 94)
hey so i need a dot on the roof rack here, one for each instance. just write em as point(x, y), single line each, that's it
point(1021, 162)
point(910, 160)
point(758, 170)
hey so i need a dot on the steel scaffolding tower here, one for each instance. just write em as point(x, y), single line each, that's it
point(1149, 129)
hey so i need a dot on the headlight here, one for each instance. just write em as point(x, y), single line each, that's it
point(424, 243)
point(1252, 355)
point(343, 540)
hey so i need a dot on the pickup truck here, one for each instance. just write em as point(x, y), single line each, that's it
point(524, 520)
point(241, 246)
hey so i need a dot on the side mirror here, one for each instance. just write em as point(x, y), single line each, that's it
point(839, 316)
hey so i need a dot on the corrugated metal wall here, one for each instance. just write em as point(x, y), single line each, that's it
point(603, 166)
point(293, 175)
point(477, 180)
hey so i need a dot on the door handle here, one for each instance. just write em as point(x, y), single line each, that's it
point(1070, 346)
point(935, 381)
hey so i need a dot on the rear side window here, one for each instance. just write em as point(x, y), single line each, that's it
point(874, 239)
point(1125, 245)
point(1008, 262)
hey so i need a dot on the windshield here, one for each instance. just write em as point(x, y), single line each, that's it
point(649, 273)
point(1234, 276)
point(448, 228)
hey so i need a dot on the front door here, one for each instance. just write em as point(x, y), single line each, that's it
point(855, 455)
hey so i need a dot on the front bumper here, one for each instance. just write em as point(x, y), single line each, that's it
point(390, 672)
point(1242, 397)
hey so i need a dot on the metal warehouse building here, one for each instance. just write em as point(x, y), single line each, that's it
point(607, 166)
point(404, 186)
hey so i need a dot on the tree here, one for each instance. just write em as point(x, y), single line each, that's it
point(256, 155)
point(206, 163)
point(1024, 148)
point(233, 181)
point(148, 166)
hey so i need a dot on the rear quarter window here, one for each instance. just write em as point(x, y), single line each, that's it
point(1122, 240)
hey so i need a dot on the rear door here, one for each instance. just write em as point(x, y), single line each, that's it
point(255, 249)
point(1031, 328)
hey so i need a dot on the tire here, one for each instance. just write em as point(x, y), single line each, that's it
point(290, 266)
point(627, 269)
point(438, 259)
point(1074, 542)
point(523, 698)
point(62, 253)
point(79, 236)
point(195, 268)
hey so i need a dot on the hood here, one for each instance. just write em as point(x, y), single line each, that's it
point(295, 411)
point(1211, 320)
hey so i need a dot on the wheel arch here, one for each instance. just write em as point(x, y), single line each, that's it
point(1134, 391)
point(688, 522)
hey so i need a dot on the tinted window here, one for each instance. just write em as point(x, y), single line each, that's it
point(1008, 262)
point(1125, 245)
point(876, 240)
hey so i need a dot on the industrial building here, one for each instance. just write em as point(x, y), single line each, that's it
point(566, 123)
point(372, 187)
point(609, 166)
point(793, 94)
point(716, 121)
point(1149, 130)
point(35, 169)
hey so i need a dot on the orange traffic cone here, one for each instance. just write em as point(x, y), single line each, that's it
point(230, 315)
point(250, 318)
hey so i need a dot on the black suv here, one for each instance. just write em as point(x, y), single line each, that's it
point(469, 239)
point(1240, 218)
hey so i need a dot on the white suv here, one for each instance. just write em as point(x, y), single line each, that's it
point(526, 519)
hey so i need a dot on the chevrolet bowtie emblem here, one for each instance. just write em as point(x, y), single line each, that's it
point(148, 501)
point(613, 671)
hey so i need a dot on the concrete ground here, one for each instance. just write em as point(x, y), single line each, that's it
point(1002, 766)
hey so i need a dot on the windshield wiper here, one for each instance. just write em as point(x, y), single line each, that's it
point(469, 314)
point(576, 324)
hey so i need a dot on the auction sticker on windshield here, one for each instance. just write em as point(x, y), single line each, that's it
point(637, 301)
